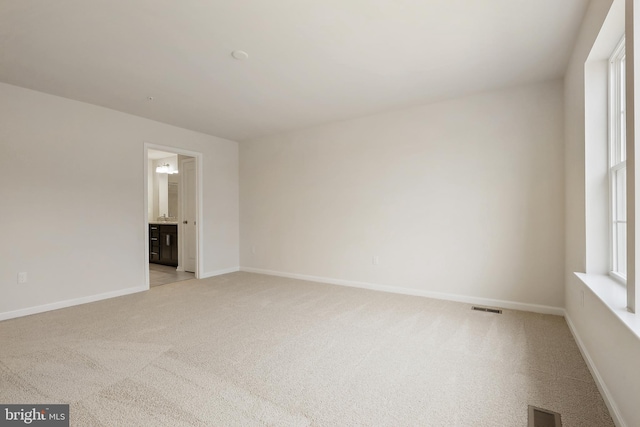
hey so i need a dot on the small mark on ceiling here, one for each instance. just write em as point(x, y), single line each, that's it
point(240, 55)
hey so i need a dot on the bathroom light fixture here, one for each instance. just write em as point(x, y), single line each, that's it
point(163, 168)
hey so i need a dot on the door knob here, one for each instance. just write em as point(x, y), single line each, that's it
point(185, 222)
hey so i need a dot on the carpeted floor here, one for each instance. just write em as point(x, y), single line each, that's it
point(250, 350)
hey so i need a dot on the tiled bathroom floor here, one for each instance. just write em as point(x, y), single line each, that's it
point(164, 274)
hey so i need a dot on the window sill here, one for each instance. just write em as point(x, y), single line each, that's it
point(614, 295)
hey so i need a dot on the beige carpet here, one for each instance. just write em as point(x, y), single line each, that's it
point(250, 350)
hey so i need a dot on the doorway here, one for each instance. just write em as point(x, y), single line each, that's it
point(172, 215)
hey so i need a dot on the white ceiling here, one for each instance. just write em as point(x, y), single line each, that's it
point(310, 61)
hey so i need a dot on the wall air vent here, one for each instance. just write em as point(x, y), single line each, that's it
point(539, 417)
point(487, 309)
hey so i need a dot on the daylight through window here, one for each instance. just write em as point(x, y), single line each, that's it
point(617, 163)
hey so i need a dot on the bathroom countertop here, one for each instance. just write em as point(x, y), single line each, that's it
point(163, 222)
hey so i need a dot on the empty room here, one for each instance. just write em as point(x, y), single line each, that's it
point(319, 213)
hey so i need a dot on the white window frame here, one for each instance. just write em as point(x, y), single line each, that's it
point(617, 158)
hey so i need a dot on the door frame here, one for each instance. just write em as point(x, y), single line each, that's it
point(199, 203)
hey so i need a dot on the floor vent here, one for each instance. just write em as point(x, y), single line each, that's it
point(487, 309)
point(539, 417)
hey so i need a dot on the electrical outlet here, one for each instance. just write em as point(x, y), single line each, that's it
point(375, 260)
point(22, 277)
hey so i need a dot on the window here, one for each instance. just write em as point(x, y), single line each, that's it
point(618, 163)
point(607, 195)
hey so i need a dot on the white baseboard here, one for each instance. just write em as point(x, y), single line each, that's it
point(510, 305)
point(92, 298)
point(69, 303)
point(219, 272)
point(602, 387)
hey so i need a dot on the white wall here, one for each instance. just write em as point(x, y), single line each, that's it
point(462, 197)
point(612, 348)
point(74, 223)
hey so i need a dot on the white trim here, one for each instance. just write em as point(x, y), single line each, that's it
point(199, 204)
point(220, 272)
point(618, 277)
point(602, 387)
point(145, 198)
point(510, 305)
point(69, 303)
point(93, 298)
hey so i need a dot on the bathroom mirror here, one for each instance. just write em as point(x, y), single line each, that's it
point(172, 197)
point(164, 181)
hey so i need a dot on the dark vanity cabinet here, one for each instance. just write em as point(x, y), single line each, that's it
point(154, 243)
point(163, 244)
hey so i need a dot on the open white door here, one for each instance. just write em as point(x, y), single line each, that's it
point(189, 230)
